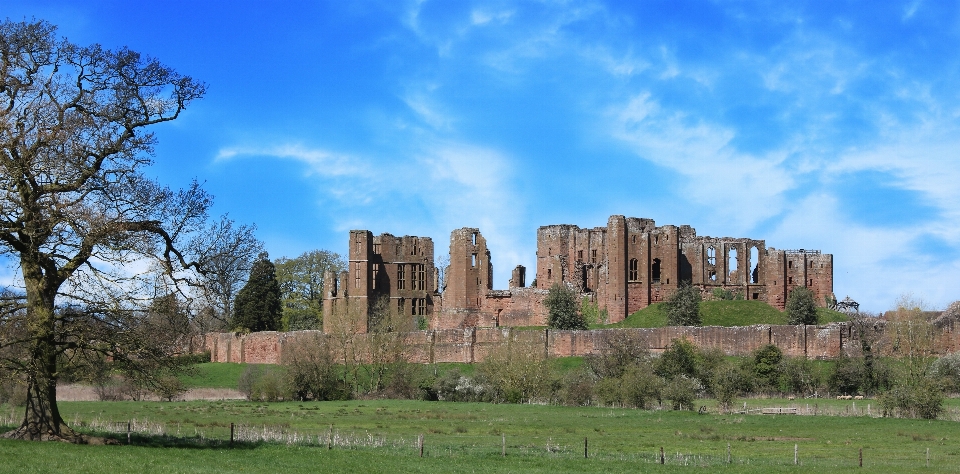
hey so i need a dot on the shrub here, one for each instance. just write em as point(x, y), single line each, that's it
point(766, 367)
point(577, 387)
point(516, 372)
point(801, 306)
point(681, 392)
point(169, 387)
point(920, 400)
point(726, 383)
point(562, 310)
point(681, 358)
point(640, 386)
point(310, 371)
point(259, 383)
point(618, 350)
point(683, 306)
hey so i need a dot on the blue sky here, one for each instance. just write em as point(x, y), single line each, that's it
point(826, 125)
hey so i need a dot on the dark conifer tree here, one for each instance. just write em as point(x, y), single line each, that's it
point(257, 306)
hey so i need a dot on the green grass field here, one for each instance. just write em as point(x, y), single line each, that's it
point(381, 436)
point(724, 313)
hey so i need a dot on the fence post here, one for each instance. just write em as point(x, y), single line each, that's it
point(861, 457)
point(330, 438)
point(128, 432)
point(928, 457)
point(231, 434)
point(661, 455)
point(420, 443)
point(795, 460)
point(503, 445)
point(728, 453)
point(584, 447)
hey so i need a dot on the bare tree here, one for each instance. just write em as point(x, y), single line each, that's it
point(231, 249)
point(78, 217)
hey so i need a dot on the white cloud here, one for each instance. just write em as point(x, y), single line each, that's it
point(714, 171)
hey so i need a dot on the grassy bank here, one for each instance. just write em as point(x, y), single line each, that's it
point(724, 313)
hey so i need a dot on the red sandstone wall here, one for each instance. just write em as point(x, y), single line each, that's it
point(471, 345)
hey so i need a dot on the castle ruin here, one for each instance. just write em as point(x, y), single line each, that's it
point(623, 267)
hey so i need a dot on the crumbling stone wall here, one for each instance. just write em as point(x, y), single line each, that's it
point(470, 345)
point(633, 263)
point(623, 267)
point(383, 269)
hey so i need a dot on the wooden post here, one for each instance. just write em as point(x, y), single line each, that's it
point(795, 460)
point(503, 445)
point(584, 447)
point(231, 434)
point(420, 444)
point(128, 432)
point(728, 453)
point(928, 457)
point(661, 455)
point(861, 457)
point(330, 438)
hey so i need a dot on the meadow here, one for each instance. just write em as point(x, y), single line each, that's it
point(383, 436)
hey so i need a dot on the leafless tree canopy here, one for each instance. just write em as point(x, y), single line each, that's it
point(92, 238)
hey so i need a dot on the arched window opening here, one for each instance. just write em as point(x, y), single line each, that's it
point(755, 261)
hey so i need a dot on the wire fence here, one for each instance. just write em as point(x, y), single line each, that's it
point(448, 445)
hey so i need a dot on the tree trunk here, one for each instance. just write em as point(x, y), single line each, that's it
point(42, 421)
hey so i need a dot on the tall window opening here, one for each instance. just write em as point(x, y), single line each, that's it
point(356, 274)
point(634, 273)
point(376, 274)
point(419, 277)
point(656, 270)
point(732, 261)
point(593, 256)
point(473, 260)
point(401, 277)
point(579, 255)
point(755, 262)
point(711, 256)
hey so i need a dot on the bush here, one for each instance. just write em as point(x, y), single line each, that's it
point(683, 307)
point(259, 383)
point(577, 387)
point(766, 367)
point(947, 369)
point(726, 383)
point(618, 351)
point(562, 310)
point(516, 372)
point(681, 358)
point(454, 387)
point(801, 306)
point(639, 386)
point(920, 400)
point(681, 392)
point(310, 371)
point(169, 387)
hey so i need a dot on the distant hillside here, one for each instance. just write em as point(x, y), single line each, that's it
point(724, 313)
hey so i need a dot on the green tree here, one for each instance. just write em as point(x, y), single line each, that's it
point(78, 207)
point(681, 358)
point(683, 306)
point(257, 307)
point(563, 308)
point(301, 286)
point(766, 366)
point(801, 306)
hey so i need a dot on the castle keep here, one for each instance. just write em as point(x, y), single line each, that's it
point(623, 267)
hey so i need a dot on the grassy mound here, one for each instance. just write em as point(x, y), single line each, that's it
point(724, 313)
